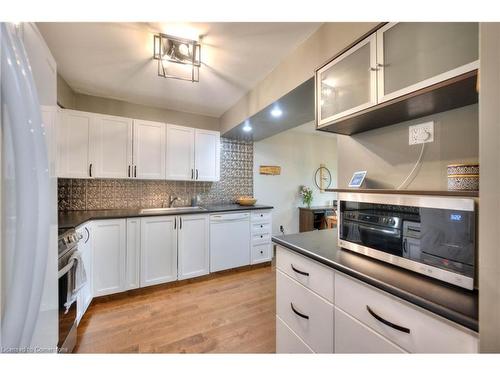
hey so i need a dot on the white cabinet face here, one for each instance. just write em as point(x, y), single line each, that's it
point(193, 245)
point(180, 153)
point(109, 256)
point(158, 250)
point(149, 150)
point(207, 155)
point(73, 144)
point(111, 146)
point(133, 253)
point(349, 83)
point(85, 248)
point(413, 55)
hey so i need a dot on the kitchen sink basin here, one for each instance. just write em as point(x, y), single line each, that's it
point(171, 209)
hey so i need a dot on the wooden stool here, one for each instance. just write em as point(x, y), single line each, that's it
point(331, 221)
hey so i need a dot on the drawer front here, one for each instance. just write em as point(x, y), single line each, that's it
point(307, 314)
point(261, 215)
point(309, 273)
point(261, 238)
point(352, 336)
point(261, 253)
point(261, 227)
point(428, 333)
point(287, 342)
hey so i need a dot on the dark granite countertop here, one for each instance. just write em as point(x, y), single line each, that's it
point(451, 302)
point(72, 219)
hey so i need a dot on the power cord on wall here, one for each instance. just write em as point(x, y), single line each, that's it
point(407, 180)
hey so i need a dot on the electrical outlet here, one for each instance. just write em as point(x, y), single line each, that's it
point(421, 133)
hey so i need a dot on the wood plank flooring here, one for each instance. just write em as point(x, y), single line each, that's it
point(228, 312)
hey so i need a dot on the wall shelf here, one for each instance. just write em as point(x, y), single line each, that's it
point(469, 194)
point(453, 93)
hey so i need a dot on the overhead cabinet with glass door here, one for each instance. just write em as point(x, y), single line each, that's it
point(401, 71)
point(92, 145)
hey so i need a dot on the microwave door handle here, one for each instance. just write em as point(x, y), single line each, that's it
point(30, 162)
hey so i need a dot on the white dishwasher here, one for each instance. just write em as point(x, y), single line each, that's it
point(229, 240)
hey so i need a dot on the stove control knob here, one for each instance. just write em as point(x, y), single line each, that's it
point(391, 221)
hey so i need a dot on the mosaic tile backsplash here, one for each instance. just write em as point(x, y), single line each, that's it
point(95, 194)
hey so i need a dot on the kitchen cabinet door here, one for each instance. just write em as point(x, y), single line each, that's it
point(414, 55)
point(85, 294)
point(109, 256)
point(180, 153)
point(207, 155)
point(132, 278)
point(73, 144)
point(193, 246)
point(347, 84)
point(149, 150)
point(111, 146)
point(158, 250)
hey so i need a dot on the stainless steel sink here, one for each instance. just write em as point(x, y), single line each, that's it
point(171, 209)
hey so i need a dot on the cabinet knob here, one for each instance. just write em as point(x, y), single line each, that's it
point(261, 252)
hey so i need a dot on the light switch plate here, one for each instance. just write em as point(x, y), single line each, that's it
point(421, 133)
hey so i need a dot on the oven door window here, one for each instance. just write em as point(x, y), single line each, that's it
point(375, 237)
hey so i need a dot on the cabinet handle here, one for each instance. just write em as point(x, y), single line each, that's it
point(90, 170)
point(175, 223)
point(129, 170)
point(135, 170)
point(374, 69)
point(299, 271)
point(88, 235)
point(196, 173)
point(180, 222)
point(298, 313)
point(379, 65)
point(192, 174)
point(386, 322)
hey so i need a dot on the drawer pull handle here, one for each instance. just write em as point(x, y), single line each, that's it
point(386, 322)
point(298, 313)
point(299, 271)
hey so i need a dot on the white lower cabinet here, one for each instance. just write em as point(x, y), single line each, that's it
point(158, 250)
point(109, 256)
point(325, 310)
point(193, 246)
point(352, 336)
point(85, 248)
point(133, 253)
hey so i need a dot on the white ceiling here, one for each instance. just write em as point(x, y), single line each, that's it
point(114, 60)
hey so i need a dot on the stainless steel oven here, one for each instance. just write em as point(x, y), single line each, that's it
point(434, 236)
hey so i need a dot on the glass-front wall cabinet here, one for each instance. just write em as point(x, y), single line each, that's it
point(397, 59)
point(414, 55)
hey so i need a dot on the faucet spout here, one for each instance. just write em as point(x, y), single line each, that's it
point(171, 200)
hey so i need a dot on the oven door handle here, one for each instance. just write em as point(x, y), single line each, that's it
point(391, 232)
point(66, 269)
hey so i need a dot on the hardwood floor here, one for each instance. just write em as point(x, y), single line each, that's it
point(228, 312)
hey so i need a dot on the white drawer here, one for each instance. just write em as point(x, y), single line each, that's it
point(315, 276)
point(428, 333)
point(261, 215)
point(352, 336)
point(261, 253)
point(287, 341)
point(261, 238)
point(306, 313)
point(261, 228)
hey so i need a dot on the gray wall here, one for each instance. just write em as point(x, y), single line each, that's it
point(67, 98)
point(489, 158)
point(388, 158)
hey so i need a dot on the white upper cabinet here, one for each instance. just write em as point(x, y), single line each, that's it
point(149, 150)
point(73, 144)
point(349, 83)
point(414, 55)
point(158, 250)
point(180, 153)
point(193, 246)
point(111, 146)
point(207, 155)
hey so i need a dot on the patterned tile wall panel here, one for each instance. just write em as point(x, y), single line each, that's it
point(96, 194)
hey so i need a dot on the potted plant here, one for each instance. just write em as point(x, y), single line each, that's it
point(307, 195)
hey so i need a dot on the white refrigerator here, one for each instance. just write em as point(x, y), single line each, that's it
point(28, 193)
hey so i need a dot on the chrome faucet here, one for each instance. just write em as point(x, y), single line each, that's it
point(171, 200)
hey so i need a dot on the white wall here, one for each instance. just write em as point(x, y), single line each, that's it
point(299, 152)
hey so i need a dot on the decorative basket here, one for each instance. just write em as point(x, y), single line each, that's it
point(463, 177)
point(246, 201)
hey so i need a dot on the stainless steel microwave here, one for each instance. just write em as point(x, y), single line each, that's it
point(431, 235)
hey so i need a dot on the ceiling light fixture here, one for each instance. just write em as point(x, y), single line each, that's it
point(276, 112)
point(170, 49)
point(247, 128)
